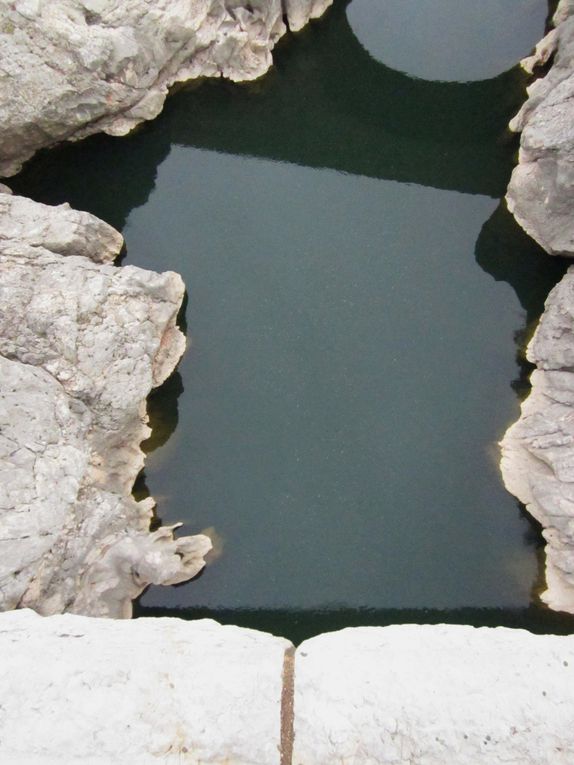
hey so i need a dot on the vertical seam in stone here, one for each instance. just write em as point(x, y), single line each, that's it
point(287, 711)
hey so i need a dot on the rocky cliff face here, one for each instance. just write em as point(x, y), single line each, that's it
point(81, 345)
point(70, 68)
point(538, 451)
point(541, 190)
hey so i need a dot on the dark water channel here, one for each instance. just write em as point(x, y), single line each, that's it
point(358, 301)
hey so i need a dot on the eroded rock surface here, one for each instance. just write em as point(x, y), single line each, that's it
point(82, 343)
point(165, 691)
point(70, 68)
point(538, 451)
point(434, 695)
point(541, 190)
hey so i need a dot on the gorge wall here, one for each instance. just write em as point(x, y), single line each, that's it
point(538, 451)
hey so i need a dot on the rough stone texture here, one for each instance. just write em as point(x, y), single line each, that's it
point(538, 451)
point(97, 691)
point(69, 68)
point(541, 190)
point(434, 695)
point(81, 345)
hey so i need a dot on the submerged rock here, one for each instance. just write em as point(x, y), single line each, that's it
point(82, 343)
point(541, 190)
point(70, 68)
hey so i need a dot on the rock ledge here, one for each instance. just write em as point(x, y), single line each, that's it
point(82, 343)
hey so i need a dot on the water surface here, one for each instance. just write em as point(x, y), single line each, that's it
point(357, 300)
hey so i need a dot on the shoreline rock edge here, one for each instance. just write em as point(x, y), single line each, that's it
point(537, 460)
point(82, 343)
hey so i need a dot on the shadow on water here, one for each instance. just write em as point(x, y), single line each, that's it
point(533, 538)
point(302, 625)
point(508, 254)
point(106, 176)
point(327, 100)
point(162, 412)
point(325, 104)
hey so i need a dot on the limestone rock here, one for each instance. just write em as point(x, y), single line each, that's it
point(82, 343)
point(69, 68)
point(298, 12)
point(103, 692)
point(541, 190)
point(432, 695)
point(538, 451)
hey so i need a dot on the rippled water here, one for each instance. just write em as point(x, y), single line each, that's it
point(358, 298)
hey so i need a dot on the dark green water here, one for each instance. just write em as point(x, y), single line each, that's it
point(358, 301)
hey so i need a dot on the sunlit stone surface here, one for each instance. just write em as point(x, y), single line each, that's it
point(81, 345)
point(538, 451)
point(438, 695)
point(541, 191)
point(100, 691)
point(76, 67)
point(96, 691)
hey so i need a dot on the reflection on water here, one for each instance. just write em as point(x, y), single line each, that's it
point(355, 293)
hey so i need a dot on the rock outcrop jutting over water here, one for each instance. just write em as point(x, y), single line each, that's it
point(82, 343)
point(538, 451)
point(70, 68)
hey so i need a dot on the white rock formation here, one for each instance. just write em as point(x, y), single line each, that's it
point(541, 190)
point(81, 345)
point(434, 695)
point(70, 68)
point(98, 691)
point(102, 692)
point(538, 451)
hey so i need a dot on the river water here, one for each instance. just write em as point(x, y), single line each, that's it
point(358, 303)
